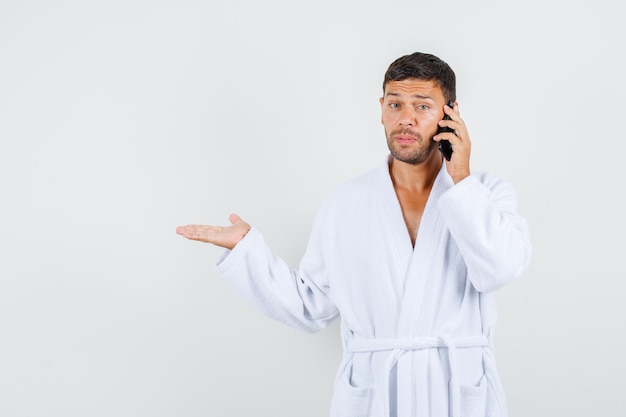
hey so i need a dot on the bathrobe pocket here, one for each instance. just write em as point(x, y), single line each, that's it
point(348, 400)
point(473, 399)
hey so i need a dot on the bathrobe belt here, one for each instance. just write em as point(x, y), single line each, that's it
point(399, 347)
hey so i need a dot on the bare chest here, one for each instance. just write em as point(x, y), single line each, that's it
point(412, 205)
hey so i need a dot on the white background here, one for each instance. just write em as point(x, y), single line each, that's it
point(121, 120)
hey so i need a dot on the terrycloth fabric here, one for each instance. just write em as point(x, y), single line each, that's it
point(416, 322)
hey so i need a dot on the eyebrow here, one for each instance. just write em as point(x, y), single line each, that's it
point(419, 96)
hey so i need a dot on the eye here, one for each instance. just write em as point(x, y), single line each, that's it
point(394, 105)
point(423, 107)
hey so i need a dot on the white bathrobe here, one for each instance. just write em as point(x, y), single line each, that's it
point(416, 322)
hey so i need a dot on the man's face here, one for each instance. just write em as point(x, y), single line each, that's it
point(411, 109)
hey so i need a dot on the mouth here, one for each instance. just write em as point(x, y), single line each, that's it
point(405, 139)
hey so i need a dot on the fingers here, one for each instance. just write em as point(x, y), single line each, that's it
point(184, 231)
point(459, 165)
point(199, 232)
point(459, 136)
point(226, 237)
point(455, 122)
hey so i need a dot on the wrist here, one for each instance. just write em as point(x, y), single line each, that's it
point(457, 178)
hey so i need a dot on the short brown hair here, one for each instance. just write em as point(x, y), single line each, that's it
point(423, 66)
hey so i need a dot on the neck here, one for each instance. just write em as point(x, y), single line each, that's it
point(417, 178)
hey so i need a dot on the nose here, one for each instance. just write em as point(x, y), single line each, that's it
point(407, 117)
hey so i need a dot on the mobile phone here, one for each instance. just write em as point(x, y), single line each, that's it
point(444, 145)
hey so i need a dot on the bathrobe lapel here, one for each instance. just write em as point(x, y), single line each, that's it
point(414, 261)
point(396, 232)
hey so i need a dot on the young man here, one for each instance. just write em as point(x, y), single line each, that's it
point(408, 256)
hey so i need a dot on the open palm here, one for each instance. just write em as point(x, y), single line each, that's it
point(224, 236)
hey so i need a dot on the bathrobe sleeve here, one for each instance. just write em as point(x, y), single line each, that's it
point(481, 215)
point(292, 297)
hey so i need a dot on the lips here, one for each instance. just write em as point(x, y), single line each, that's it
point(405, 140)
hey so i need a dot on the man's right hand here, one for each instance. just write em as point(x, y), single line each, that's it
point(224, 236)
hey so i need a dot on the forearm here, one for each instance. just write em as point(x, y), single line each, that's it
point(268, 283)
point(492, 237)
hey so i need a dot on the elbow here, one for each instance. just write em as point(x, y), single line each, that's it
point(312, 324)
point(487, 283)
point(309, 325)
point(502, 269)
point(315, 327)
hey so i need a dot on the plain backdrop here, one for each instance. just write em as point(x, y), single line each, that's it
point(120, 120)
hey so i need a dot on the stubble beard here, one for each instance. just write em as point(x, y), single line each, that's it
point(409, 153)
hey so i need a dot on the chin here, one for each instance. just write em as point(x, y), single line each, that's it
point(413, 156)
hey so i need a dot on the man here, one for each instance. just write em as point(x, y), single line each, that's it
point(408, 256)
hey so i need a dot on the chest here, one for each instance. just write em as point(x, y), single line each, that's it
point(412, 205)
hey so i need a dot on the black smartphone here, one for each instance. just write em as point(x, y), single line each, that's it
point(444, 145)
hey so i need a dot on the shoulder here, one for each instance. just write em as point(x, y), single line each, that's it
point(350, 204)
point(357, 188)
point(489, 179)
point(493, 182)
point(353, 196)
point(481, 185)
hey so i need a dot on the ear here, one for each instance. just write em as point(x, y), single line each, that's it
point(381, 109)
